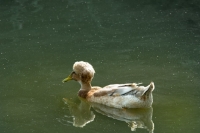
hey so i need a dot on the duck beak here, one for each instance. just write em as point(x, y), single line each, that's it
point(67, 79)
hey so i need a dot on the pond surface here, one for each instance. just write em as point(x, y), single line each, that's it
point(125, 40)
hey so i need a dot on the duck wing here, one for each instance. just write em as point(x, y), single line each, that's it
point(125, 89)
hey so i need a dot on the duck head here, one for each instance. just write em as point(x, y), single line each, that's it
point(83, 72)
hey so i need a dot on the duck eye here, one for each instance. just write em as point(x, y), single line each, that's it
point(73, 73)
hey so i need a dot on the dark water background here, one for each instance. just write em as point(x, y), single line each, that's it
point(125, 41)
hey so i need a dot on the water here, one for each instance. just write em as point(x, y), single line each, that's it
point(125, 41)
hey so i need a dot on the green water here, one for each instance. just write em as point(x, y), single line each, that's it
point(125, 40)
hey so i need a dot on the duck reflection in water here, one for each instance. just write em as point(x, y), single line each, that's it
point(81, 112)
point(135, 118)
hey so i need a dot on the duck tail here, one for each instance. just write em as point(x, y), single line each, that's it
point(148, 91)
point(150, 87)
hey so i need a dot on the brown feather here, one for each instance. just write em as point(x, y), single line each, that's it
point(83, 93)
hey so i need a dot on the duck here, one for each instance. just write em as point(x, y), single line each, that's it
point(128, 95)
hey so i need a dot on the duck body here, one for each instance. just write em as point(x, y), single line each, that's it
point(123, 95)
point(129, 95)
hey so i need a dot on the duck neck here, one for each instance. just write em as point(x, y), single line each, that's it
point(85, 86)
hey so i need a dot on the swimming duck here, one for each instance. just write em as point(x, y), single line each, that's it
point(129, 95)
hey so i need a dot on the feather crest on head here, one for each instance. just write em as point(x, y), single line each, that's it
point(84, 69)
